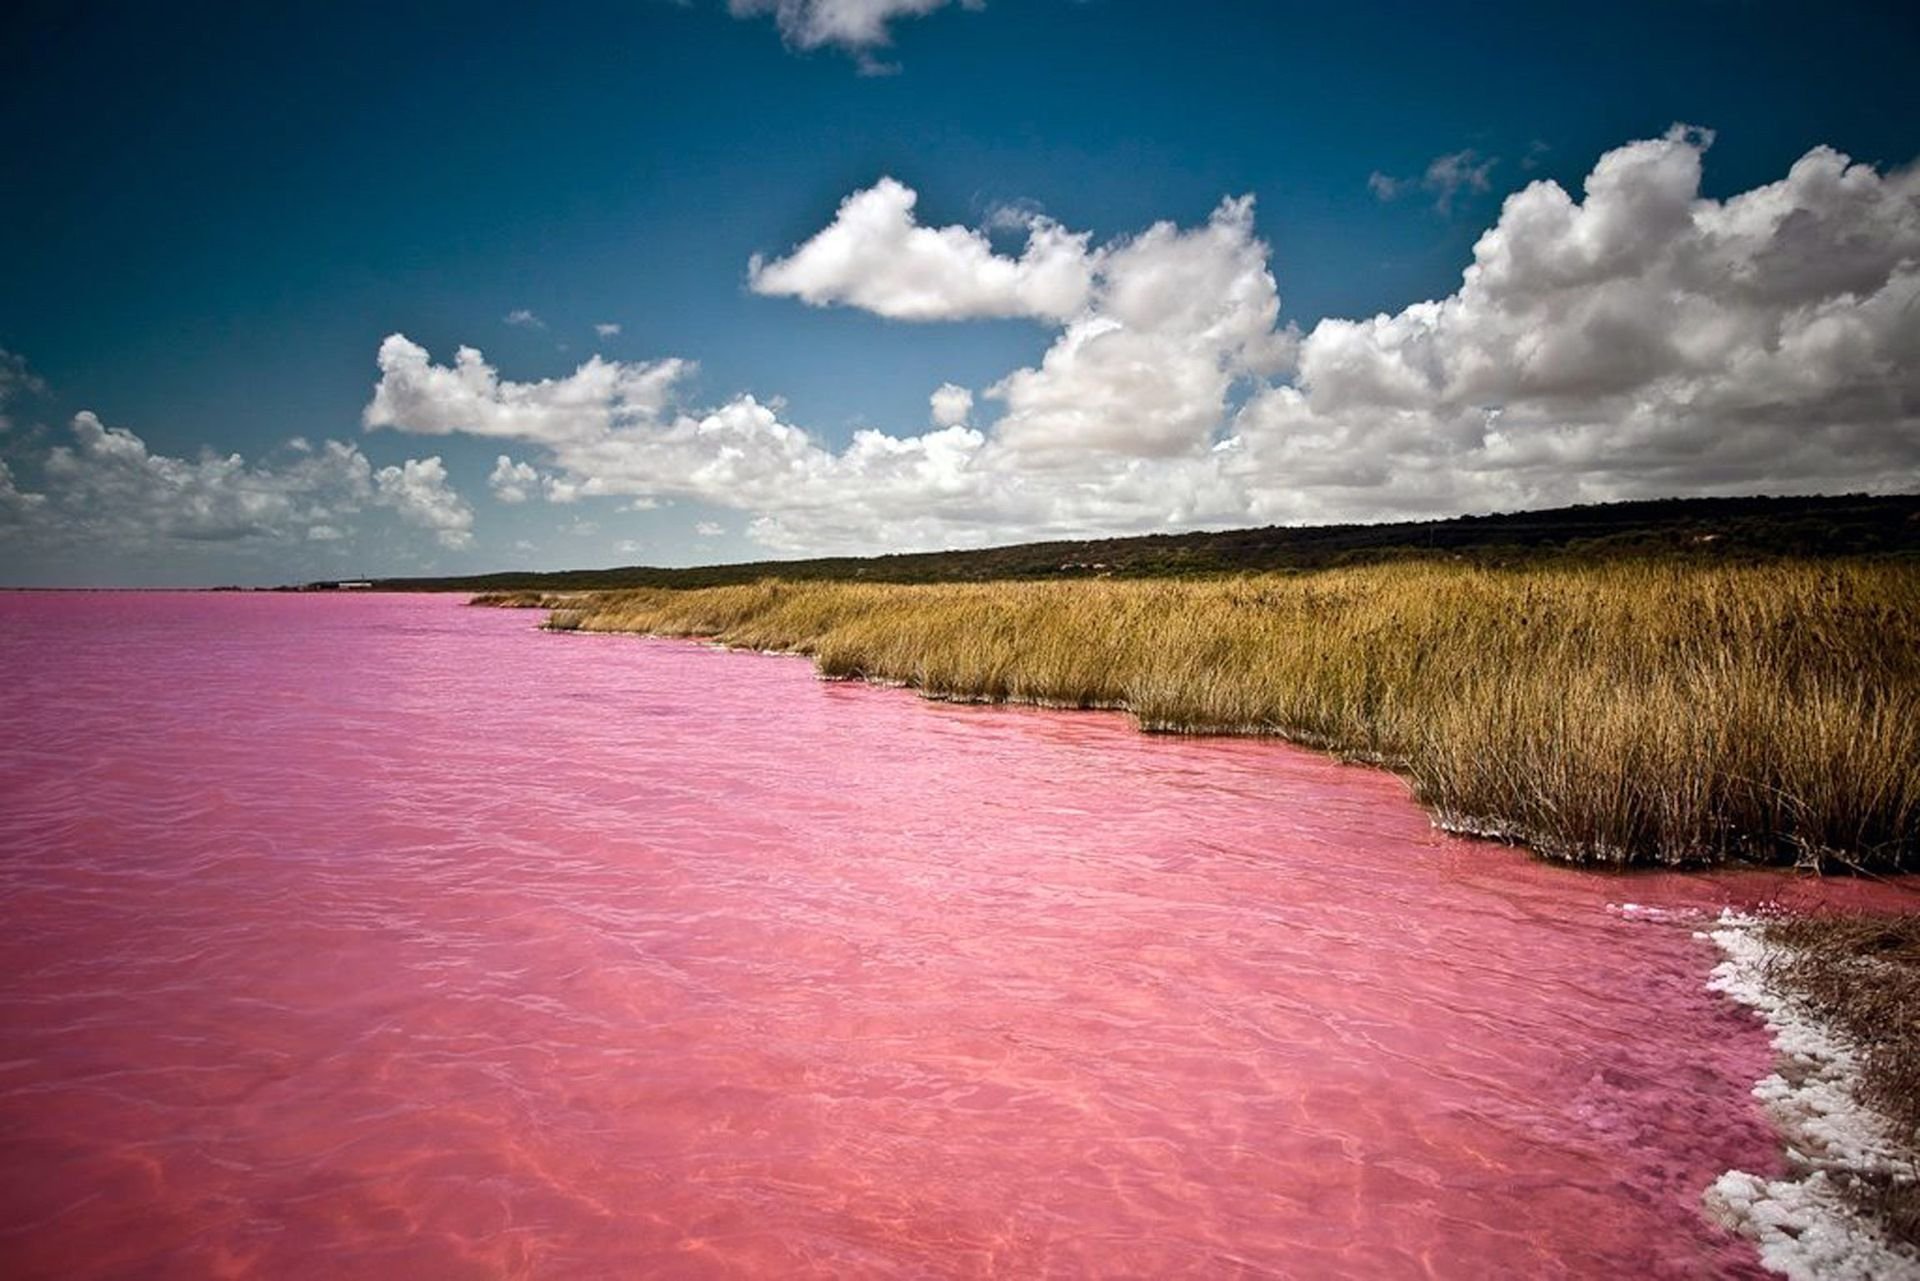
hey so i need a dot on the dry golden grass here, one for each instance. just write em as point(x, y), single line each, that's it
point(1633, 712)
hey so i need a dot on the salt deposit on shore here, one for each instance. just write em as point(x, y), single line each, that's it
point(1804, 1224)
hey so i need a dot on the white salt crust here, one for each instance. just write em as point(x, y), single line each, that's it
point(1804, 1226)
point(1640, 912)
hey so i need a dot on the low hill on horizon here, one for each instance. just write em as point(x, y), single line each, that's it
point(1706, 528)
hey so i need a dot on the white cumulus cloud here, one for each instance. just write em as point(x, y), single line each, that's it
point(418, 490)
point(950, 405)
point(876, 255)
point(1641, 341)
point(1175, 318)
point(108, 487)
point(1637, 339)
point(469, 396)
point(513, 482)
point(1157, 326)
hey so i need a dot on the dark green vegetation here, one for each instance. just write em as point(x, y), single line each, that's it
point(1714, 530)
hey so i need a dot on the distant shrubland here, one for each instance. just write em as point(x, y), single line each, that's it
point(1630, 711)
point(1699, 530)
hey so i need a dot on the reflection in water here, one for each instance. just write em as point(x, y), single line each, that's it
point(378, 936)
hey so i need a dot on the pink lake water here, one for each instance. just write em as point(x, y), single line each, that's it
point(381, 937)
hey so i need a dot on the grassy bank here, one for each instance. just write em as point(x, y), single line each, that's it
point(1628, 713)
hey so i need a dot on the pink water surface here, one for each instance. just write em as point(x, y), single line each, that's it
point(381, 937)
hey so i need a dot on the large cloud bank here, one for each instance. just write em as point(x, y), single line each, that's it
point(1641, 341)
point(108, 488)
point(1638, 340)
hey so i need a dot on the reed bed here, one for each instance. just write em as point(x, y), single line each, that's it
point(1633, 712)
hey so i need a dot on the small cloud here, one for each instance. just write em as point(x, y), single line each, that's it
point(1536, 153)
point(324, 534)
point(708, 529)
point(517, 482)
point(1446, 177)
point(513, 482)
point(951, 405)
point(521, 318)
point(17, 376)
point(877, 255)
point(1015, 215)
point(300, 444)
point(641, 505)
point(607, 329)
point(419, 491)
point(628, 546)
point(857, 27)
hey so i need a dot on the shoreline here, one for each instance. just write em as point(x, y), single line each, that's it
point(1489, 830)
point(1849, 1205)
point(1660, 715)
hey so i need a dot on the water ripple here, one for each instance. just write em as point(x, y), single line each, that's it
point(380, 936)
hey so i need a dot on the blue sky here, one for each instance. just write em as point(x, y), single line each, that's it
point(216, 219)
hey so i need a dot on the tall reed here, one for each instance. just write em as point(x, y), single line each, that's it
point(1632, 713)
